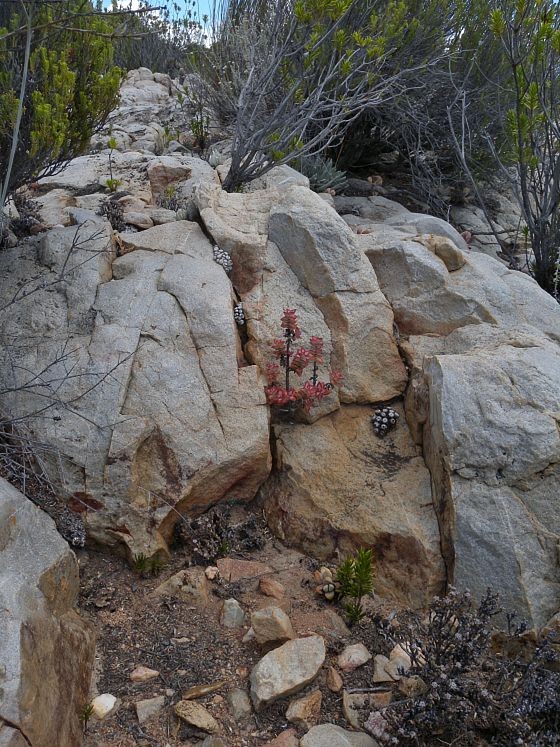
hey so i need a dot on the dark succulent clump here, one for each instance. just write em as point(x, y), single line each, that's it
point(113, 211)
point(384, 419)
point(217, 533)
point(28, 215)
point(472, 693)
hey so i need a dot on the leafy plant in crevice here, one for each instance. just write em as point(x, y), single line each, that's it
point(140, 563)
point(171, 200)
point(85, 714)
point(111, 183)
point(293, 359)
point(355, 580)
point(321, 172)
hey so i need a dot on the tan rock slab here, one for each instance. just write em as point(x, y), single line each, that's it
point(287, 669)
point(379, 673)
point(196, 715)
point(334, 680)
point(233, 569)
point(329, 735)
point(147, 709)
point(352, 657)
point(287, 738)
point(271, 625)
point(271, 587)
point(305, 712)
point(143, 674)
point(337, 486)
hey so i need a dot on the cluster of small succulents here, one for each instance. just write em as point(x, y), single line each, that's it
point(327, 586)
point(114, 212)
point(239, 314)
point(383, 420)
point(223, 259)
point(219, 532)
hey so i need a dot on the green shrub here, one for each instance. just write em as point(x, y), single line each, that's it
point(58, 84)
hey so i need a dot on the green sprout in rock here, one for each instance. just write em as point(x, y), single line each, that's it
point(140, 563)
point(85, 714)
point(355, 579)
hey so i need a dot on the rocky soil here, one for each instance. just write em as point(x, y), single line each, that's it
point(180, 633)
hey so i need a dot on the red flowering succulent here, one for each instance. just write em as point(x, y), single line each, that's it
point(296, 360)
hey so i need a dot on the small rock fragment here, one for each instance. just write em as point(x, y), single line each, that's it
point(353, 657)
point(213, 742)
point(271, 588)
point(239, 704)
point(377, 726)
point(272, 625)
point(103, 705)
point(287, 669)
point(379, 673)
point(305, 712)
point(329, 735)
point(143, 674)
point(232, 614)
point(287, 738)
point(196, 715)
point(145, 709)
point(356, 707)
point(199, 690)
point(412, 687)
point(211, 572)
point(399, 663)
point(334, 680)
point(233, 569)
point(139, 220)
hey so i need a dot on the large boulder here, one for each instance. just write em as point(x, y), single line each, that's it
point(290, 249)
point(46, 650)
point(483, 401)
point(337, 486)
point(151, 409)
point(492, 443)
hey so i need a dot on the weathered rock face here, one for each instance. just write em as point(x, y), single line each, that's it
point(337, 485)
point(492, 442)
point(291, 249)
point(483, 401)
point(161, 414)
point(46, 650)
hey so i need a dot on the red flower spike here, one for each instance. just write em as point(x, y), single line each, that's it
point(278, 348)
point(272, 372)
point(295, 361)
point(299, 360)
point(289, 319)
point(316, 349)
point(336, 378)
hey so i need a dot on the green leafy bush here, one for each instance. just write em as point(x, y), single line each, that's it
point(58, 84)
